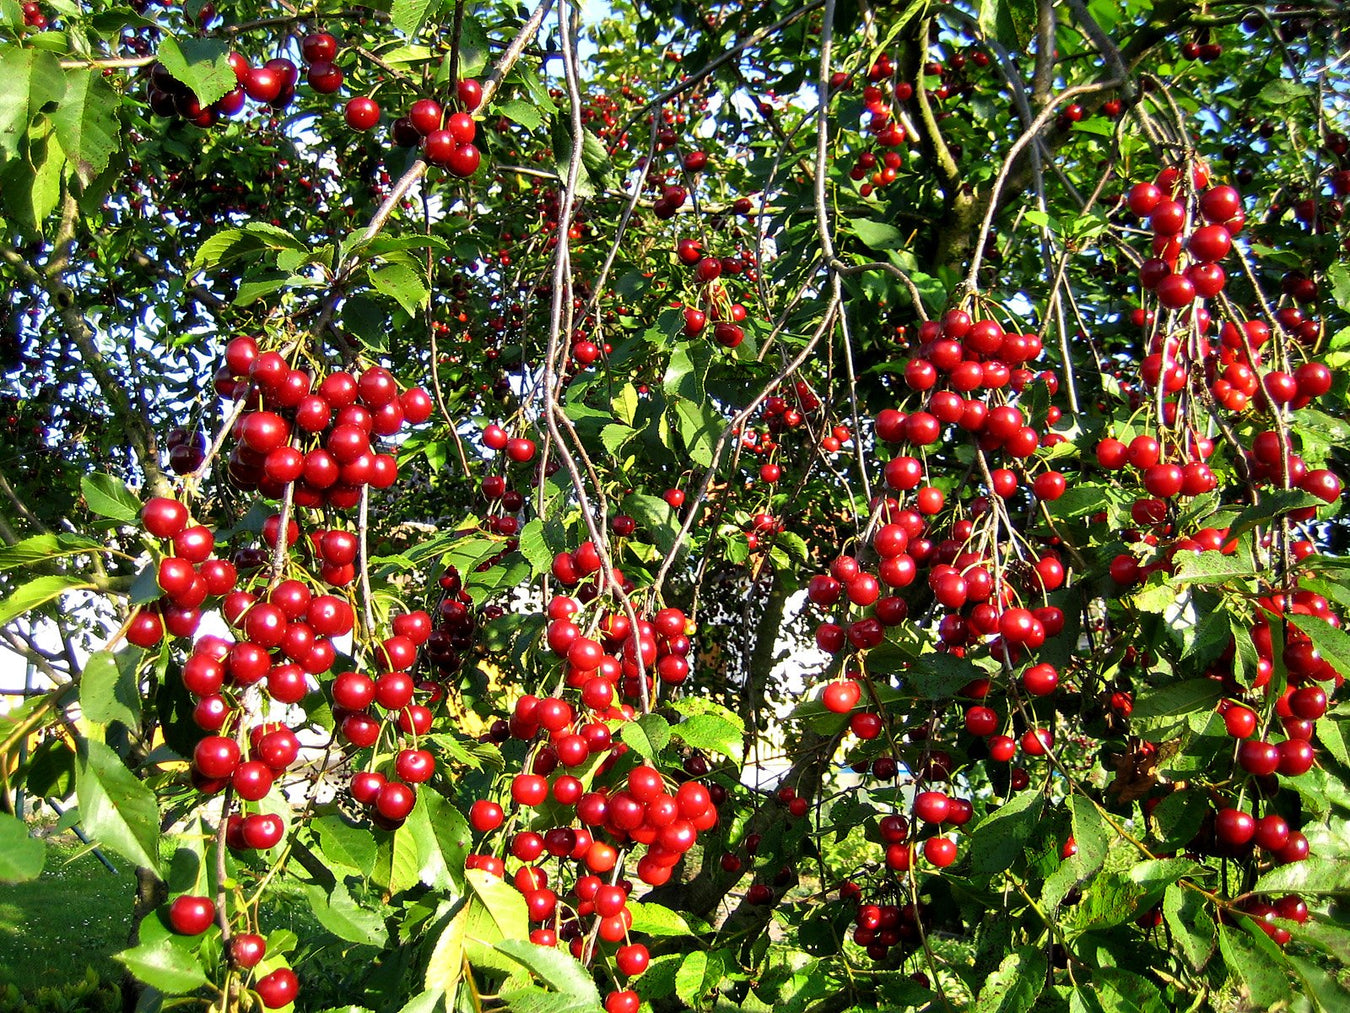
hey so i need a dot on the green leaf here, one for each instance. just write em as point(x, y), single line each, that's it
point(653, 919)
point(474, 47)
point(1330, 937)
point(428, 1001)
point(1090, 834)
point(110, 688)
point(446, 964)
point(1210, 567)
point(1178, 817)
point(86, 123)
point(201, 64)
point(1109, 900)
point(51, 771)
point(654, 516)
point(342, 916)
point(37, 592)
point(615, 436)
point(117, 809)
point(109, 497)
point(519, 111)
point(647, 736)
point(1272, 504)
point(1315, 875)
point(1339, 276)
point(1255, 961)
point(1012, 22)
point(496, 912)
point(713, 733)
point(32, 185)
point(1156, 874)
point(998, 840)
point(1014, 987)
point(684, 374)
point(33, 81)
point(560, 971)
point(699, 974)
point(401, 283)
point(534, 548)
point(164, 966)
point(1331, 737)
point(214, 248)
point(1192, 927)
point(1281, 92)
point(625, 403)
point(39, 548)
point(1322, 987)
point(877, 235)
point(409, 16)
point(447, 841)
point(1121, 991)
point(939, 676)
point(700, 427)
point(21, 855)
point(1331, 643)
point(1177, 699)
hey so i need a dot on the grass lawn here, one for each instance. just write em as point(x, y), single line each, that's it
point(75, 916)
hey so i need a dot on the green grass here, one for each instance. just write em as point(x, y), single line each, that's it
point(58, 934)
point(75, 916)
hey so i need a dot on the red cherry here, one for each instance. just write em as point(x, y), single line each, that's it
point(216, 756)
point(469, 93)
point(278, 988)
point(931, 806)
point(1258, 757)
point(425, 116)
point(529, 789)
point(324, 77)
point(319, 47)
point(1234, 827)
point(485, 815)
point(841, 696)
point(940, 851)
point(464, 160)
point(164, 517)
point(632, 959)
point(247, 950)
point(415, 766)
point(191, 916)
point(395, 800)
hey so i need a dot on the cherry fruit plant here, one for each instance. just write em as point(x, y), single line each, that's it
point(715, 506)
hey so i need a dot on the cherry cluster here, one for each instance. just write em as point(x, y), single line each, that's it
point(881, 928)
point(727, 316)
point(1251, 373)
point(623, 812)
point(985, 584)
point(310, 447)
point(505, 503)
point(33, 16)
point(446, 136)
point(333, 424)
point(272, 84)
point(881, 123)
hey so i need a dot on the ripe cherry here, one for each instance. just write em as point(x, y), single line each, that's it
point(278, 988)
point(190, 915)
point(633, 959)
point(247, 950)
point(841, 696)
point(940, 851)
point(361, 113)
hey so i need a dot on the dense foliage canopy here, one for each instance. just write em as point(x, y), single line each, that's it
point(685, 505)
